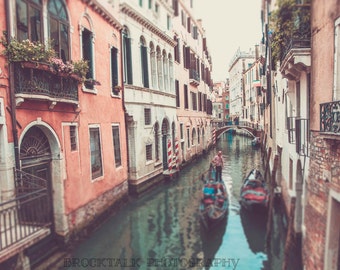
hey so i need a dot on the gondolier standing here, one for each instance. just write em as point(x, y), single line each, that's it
point(218, 163)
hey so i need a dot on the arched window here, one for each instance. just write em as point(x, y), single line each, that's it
point(165, 71)
point(198, 135)
point(29, 20)
point(127, 57)
point(156, 134)
point(153, 66)
point(159, 69)
point(171, 73)
point(59, 28)
point(193, 137)
point(144, 60)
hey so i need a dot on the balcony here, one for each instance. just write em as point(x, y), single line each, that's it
point(296, 45)
point(26, 219)
point(38, 81)
point(330, 117)
point(194, 77)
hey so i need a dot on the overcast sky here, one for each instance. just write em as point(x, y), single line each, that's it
point(229, 25)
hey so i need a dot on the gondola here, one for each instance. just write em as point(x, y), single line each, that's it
point(254, 192)
point(214, 201)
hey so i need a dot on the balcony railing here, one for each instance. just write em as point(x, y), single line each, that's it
point(26, 218)
point(330, 117)
point(37, 80)
point(194, 77)
point(300, 36)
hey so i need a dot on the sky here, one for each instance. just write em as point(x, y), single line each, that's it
point(229, 25)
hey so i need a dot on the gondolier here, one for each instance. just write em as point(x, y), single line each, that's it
point(218, 163)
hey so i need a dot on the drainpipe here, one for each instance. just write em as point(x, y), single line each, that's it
point(11, 92)
point(123, 103)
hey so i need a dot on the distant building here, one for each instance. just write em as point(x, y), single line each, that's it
point(193, 83)
point(240, 62)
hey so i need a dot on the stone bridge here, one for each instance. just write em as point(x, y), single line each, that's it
point(251, 131)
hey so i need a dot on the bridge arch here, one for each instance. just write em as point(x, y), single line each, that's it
point(248, 130)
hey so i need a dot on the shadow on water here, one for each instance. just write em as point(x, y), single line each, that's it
point(161, 229)
point(211, 241)
point(253, 223)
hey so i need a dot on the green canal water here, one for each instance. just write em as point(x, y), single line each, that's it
point(160, 229)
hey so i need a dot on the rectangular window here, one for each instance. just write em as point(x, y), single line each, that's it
point(116, 146)
point(147, 116)
point(183, 18)
point(96, 156)
point(177, 50)
point(114, 70)
point(194, 101)
point(88, 54)
point(168, 22)
point(29, 21)
point(148, 151)
point(181, 131)
point(141, 3)
point(177, 94)
point(186, 98)
point(73, 138)
point(145, 73)
point(189, 25)
point(175, 7)
point(150, 4)
point(127, 59)
point(200, 101)
point(188, 137)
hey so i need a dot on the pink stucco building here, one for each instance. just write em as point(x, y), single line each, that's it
point(63, 152)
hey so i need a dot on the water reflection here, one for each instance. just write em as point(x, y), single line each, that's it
point(161, 228)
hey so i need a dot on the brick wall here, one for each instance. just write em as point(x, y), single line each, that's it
point(324, 164)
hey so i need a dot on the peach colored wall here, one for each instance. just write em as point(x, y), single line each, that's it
point(324, 14)
point(100, 109)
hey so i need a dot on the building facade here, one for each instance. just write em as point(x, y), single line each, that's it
point(62, 136)
point(193, 82)
point(321, 241)
point(253, 99)
point(149, 89)
point(240, 62)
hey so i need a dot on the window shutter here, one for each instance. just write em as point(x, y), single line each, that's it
point(145, 66)
point(129, 60)
point(114, 67)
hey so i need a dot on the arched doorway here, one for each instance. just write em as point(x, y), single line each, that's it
point(35, 159)
point(165, 135)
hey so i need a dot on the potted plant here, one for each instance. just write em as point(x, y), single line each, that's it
point(26, 50)
point(81, 68)
point(90, 83)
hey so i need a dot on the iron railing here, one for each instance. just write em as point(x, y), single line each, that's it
point(194, 76)
point(40, 81)
point(300, 35)
point(26, 214)
point(330, 117)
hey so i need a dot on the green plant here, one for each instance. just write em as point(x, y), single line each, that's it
point(80, 67)
point(288, 22)
point(26, 50)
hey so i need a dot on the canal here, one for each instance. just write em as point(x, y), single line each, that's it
point(161, 229)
